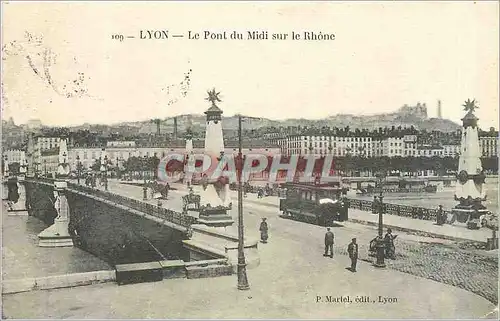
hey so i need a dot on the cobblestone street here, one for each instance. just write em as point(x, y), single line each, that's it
point(471, 270)
point(466, 269)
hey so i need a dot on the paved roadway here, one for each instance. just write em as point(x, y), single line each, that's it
point(23, 258)
point(292, 275)
point(432, 258)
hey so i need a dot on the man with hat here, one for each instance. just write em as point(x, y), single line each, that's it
point(441, 218)
point(329, 239)
point(352, 249)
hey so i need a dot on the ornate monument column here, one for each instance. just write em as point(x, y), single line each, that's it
point(104, 168)
point(189, 153)
point(30, 156)
point(214, 194)
point(215, 235)
point(57, 235)
point(5, 176)
point(5, 167)
point(470, 191)
point(24, 164)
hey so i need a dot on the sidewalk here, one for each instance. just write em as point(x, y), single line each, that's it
point(454, 232)
point(23, 258)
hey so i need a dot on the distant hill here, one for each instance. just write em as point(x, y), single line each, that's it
point(405, 116)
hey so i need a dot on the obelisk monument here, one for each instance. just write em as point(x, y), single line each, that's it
point(214, 194)
point(470, 191)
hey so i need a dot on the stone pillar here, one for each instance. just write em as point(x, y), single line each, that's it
point(189, 153)
point(18, 208)
point(57, 235)
point(5, 167)
point(5, 190)
point(470, 191)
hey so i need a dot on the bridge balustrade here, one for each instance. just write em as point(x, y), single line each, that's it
point(399, 210)
point(159, 212)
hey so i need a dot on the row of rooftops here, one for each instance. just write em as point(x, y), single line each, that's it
point(180, 143)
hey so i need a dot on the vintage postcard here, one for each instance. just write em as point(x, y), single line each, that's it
point(250, 160)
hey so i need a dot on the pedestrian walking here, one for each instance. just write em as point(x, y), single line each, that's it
point(352, 249)
point(329, 240)
point(264, 228)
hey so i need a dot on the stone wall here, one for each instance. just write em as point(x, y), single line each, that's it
point(115, 235)
point(119, 236)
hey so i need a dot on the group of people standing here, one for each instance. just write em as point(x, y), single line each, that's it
point(91, 180)
point(352, 248)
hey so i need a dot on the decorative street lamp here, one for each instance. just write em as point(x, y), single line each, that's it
point(78, 169)
point(242, 270)
point(144, 188)
point(380, 244)
point(5, 166)
point(105, 172)
point(117, 168)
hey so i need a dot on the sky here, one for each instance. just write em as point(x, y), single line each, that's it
point(385, 55)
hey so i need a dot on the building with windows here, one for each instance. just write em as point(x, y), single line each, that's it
point(321, 145)
point(488, 145)
point(47, 142)
point(430, 151)
point(451, 150)
point(48, 162)
point(15, 156)
point(119, 153)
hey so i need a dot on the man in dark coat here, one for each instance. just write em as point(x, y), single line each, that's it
point(352, 249)
point(440, 216)
point(166, 189)
point(390, 249)
point(329, 240)
point(263, 231)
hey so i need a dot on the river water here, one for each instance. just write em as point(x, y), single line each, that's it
point(444, 196)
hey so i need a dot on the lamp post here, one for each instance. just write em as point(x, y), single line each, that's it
point(144, 188)
point(117, 168)
point(45, 166)
point(242, 269)
point(105, 172)
point(5, 166)
point(380, 244)
point(78, 169)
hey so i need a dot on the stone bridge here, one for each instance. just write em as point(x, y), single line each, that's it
point(122, 230)
point(114, 228)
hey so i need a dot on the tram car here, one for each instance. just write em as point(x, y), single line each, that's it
point(315, 204)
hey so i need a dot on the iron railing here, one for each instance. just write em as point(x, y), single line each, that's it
point(399, 210)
